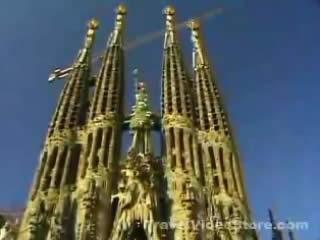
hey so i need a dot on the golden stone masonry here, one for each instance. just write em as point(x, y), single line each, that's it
point(83, 190)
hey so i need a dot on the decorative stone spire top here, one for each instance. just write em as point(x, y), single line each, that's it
point(170, 38)
point(106, 103)
point(121, 11)
point(170, 12)
point(115, 37)
point(198, 53)
point(93, 25)
point(88, 43)
point(83, 55)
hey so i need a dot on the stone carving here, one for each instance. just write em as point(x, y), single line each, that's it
point(38, 222)
point(137, 199)
point(65, 136)
point(212, 136)
point(101, 121)
point(176, 120)
point(56, 227)
point(89, 198)
point(187, 199)
point(141, 116)
point(231, 213)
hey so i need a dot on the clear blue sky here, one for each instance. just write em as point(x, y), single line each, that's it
point(267, 55)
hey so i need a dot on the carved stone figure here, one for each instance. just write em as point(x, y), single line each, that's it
point(136, 196)
point(56, 227)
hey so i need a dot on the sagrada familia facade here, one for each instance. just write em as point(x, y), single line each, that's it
point(83, 189)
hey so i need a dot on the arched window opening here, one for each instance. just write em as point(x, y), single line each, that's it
point(137, 232)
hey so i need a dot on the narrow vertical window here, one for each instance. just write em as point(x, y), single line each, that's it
point(87, 153)
point(212, 159)
point(74, 161)
point(191, 153)
point(225, 181)
point(221, 159)
point(201, 163)
point(181, 143)
point(107, 145)
point(61, 167)
point(216, 182)
point(51, 162)
point(97, 148)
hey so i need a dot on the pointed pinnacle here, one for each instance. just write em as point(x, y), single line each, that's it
point(170, 12)
point(199, 57)
point(93, 25)
point(194, 26)
point(121, 11)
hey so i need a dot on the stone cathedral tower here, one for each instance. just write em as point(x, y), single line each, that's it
point(84, 190)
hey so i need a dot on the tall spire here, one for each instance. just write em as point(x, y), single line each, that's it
point(225, 195)
point(105, 113)
point(176, 97)
point(102, 140)
point(182, 168)
point(70, 111)
point(210, 113)
point(69, 115)
point(107, 98)
point(56, 175)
